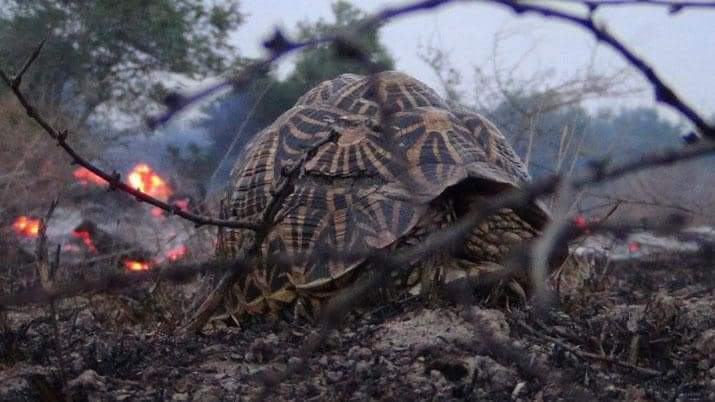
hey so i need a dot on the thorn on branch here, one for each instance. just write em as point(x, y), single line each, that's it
point(277, 43)
point(664, 95)
point(113, 180)
point(690, 137)
point(62, 136)
point(675, 9)
point(174, 101)
point(592, 7)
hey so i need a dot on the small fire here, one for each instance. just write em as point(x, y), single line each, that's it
point(26, 227)
point(581, 222)
point(176, 253)
point(145, 179)
point(634, 246)
point(84, 177)
point(71, 248)
point(183, 204)
point(156, 212)
point(86, 239)
point(136, 265)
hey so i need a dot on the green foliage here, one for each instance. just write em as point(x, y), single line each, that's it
point(316, 65)
point(561, 137)
point(101, 51)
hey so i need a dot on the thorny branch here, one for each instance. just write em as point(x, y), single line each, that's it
point(663, 92)
point(280, 46)
point(114, 180)
point(674, 7)
point(439, 239)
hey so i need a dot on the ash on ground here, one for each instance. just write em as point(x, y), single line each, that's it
point(624, 325)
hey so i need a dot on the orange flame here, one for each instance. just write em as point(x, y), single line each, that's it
point(176, 253)
point(136, 265)
point(145, 179)
point(86, 239)
point(84, 177)
point(26, 227)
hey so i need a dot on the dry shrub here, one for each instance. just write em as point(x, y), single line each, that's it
point(33, 172)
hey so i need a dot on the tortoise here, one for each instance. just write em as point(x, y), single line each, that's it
point(371, 162)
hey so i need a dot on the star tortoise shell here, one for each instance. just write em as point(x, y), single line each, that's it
point(366, 163)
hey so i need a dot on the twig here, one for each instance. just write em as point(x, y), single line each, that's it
point(442, 239)
point(279, 46)
point(46, 273)
point(60, 136)
point(674, 7)
point(663, 92)
point(588, 355)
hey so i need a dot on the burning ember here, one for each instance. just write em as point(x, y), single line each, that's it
point(71, 248)
point(183, 204)
point(581, 222)
point(86, 239)
point(634, 246)
point(85, 177)
point(26, 227)
point(136, 265)
point(145, 179)
point(176, 253)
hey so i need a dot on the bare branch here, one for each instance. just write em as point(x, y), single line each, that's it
point(60, 136)
point(663, 92)
point(280, 46)
point(674, 7)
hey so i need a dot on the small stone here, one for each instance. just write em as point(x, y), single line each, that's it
point(706, 343)
point(362, 368)
point(180, 396)
point(334, 376)
point(208, 394)
point(89, 379)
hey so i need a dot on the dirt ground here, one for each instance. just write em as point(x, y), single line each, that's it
point(630, 331)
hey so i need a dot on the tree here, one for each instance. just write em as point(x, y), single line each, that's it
point(266, 99)
point(106, 53)
point(319, 64)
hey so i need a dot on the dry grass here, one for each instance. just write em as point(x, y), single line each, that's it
point(32, 171)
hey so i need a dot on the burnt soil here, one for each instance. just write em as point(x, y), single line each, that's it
point(632, 331)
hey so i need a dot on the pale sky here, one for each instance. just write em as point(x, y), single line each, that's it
point(681, 47)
